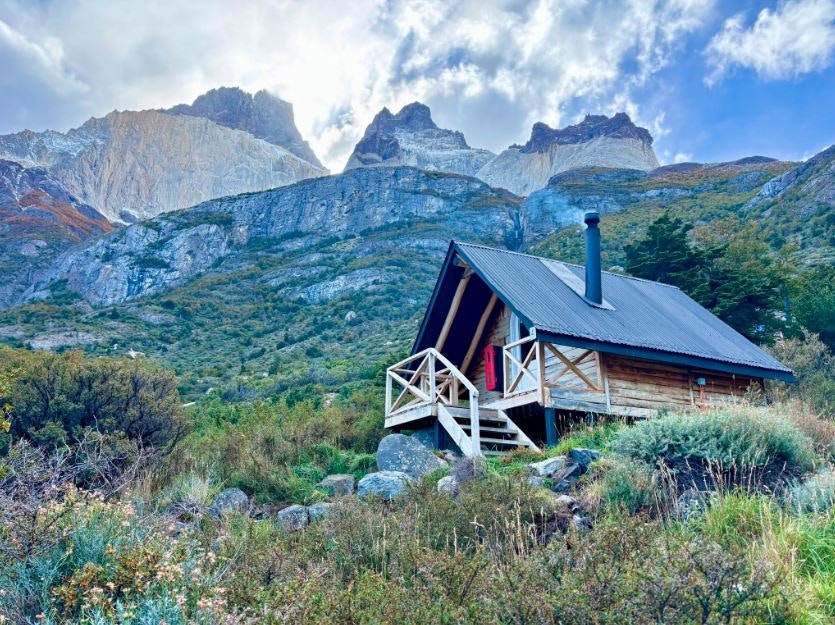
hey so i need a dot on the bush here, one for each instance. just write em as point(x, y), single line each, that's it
point(627, 484)
point(816, 494)
point(57, 396)
point(732, 446)
point(813, 364)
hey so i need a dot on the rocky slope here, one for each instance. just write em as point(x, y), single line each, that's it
point(411, 138)
point(38, 220)
point(155, 256)
point(799, 206)
point(264, 116)
point(135, 165)
point(597, 141)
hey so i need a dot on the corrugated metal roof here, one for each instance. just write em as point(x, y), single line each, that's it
point(646, 315)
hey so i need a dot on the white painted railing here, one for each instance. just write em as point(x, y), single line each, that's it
point(428, 378)
point(522, 373)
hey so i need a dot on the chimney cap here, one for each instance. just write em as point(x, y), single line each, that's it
point(592, 218)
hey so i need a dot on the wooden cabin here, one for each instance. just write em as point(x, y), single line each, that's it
point(514, 347)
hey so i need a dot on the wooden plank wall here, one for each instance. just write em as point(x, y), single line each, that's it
point(639, 383)
point(587, 365)
point(497, 334)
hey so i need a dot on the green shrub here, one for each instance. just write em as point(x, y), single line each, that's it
point(728, 438)
point(627, 484)
point(816, 494)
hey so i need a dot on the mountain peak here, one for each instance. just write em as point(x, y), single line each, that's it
point(619, 126)
point(410, 137)
point(263, 115)
point(413, 117)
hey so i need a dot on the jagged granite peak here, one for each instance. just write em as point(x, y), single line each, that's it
point(263, 115)
point(156, 256)
point(619, 126)
point(38, 220)
point(597, 141)
point(412, 138)
point(133, 165)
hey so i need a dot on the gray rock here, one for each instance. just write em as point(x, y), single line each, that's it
point(425, 437)
point(397, 452)
point(581, 523)
point(338, 484)
point(566, 477)
point(319, 511)
point(536, 480)
point(466, 470)
point(548, 467)
point(229, 500)
point(383, 484)
point(583, 456)
point(448, 485)
point(293, 518)
point(567, 502)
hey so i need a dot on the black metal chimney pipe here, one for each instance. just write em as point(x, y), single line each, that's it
point(594, 290)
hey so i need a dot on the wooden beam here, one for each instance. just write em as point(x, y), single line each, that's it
point(482, 323)
point(568, 363)
point(453, 309)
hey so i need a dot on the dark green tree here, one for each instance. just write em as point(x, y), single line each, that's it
point(730, 271)
point(666, 254)
point(814, 303)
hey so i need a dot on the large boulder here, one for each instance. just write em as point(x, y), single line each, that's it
point(319, 511)
point(583, 456)
point(397, 452)
point(338, 484)
point(548, 467)
point(293, 518)
point(229, 500)
point(383, 484)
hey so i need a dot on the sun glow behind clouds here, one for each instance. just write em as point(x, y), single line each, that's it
point(490, 68)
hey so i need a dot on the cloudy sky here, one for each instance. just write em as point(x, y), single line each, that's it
point(711, 80)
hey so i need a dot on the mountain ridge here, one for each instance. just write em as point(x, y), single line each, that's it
point(411, 138)
point(131, 165)
point(597, 141)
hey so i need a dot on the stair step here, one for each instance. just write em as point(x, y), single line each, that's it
point(504, 430)
point(503, 441)
point(481, 417)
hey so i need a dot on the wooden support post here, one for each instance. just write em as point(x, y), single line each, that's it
point(440, 435)
point(453, 309)
point(551, 435)
point(482, 323)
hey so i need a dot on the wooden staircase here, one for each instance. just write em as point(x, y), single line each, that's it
point(497, 433)
point(426, 385)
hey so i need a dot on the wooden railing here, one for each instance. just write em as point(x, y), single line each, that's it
point(526, 372)
point(522, 370)
point(428, 378)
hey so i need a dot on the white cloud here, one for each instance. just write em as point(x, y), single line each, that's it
point(795, 38)
point(489, 68)
point(45, 59)
point(683, 157)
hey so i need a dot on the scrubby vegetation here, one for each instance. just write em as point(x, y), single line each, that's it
point(718, 517)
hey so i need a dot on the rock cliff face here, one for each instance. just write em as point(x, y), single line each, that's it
point(411, 138)
point(597, 141)
point(158, 255)
point(264, 116)
point(38, 220)
point(135, 165)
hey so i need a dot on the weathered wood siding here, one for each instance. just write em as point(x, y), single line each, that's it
point(496, 334)
point(643, 384)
